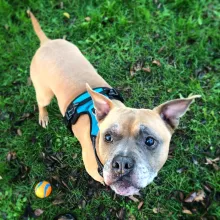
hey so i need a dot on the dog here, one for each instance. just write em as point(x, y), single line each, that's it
point(132, 144)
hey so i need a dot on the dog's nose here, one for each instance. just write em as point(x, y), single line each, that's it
point(122, 165)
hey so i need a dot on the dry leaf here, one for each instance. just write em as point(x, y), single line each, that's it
point(137, 67)
point(207, 188)
point(121, 214)
point(146, 69)
point(67, 15)
point(157, 62)
point(57, 202)
point(181, 170)
point(169, 90)
point(186, 211)
point(6, 27)
point(1, 178)
point(215, 166)
point(87, 19)
point(140, 205)
point(29, 81)
point(19, 132)
point(191, 197)
point(161, 49)
point(132, 72)
point(11, 156)
point(133, 199)
point(74, 156)
point(38, 212)
point(195, 196)
point(211, 161)
point(208, 161)
point(158, 210)
point(200, 195)
point(61, 5)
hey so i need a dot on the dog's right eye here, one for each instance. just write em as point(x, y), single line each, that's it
point(108, 138)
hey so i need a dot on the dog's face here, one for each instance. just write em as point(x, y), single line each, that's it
point(133, 144)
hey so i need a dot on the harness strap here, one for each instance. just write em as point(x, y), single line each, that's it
point(83, 104)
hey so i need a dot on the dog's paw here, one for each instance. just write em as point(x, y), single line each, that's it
point(43, 121)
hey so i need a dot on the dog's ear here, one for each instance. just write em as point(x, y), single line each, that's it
point(101, 103)
point(173, 110)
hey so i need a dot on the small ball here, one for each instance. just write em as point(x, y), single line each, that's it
point(43, 189)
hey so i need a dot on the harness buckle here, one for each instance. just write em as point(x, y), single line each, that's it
point(70, 112)
point(113, 92)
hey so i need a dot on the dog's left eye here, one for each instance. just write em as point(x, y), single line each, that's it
point(108, 138)
point(149, 141)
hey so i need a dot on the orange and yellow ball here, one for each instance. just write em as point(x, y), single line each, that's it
point(43, 189)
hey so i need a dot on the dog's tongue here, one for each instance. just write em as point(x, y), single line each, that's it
point(124, 188)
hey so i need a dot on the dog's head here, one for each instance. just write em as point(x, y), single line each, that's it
point(133, 144)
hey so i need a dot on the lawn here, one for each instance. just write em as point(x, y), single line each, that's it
point(176, 43)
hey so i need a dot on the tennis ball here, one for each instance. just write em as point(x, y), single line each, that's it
point(43, 189)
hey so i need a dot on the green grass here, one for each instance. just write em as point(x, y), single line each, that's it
point(120, 34)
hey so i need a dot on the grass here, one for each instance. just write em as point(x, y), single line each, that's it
point(182, 35)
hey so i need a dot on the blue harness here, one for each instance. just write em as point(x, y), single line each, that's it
point(83, 104)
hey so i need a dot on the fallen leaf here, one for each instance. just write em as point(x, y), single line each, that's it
point(114, 197)
point(181, 196)
point(25, 115)
point(57, 202)
point(38, 212)
point(121, 214)
point(155, 210)
point(29, 81)
point(11, 156)
point(136, 67)
point(157, 62)
point(216, 159)
point(131, 217)
point(191, 197)
point(215, 166)
point(67, 15)
point(195, 196)
point(161, 49)
point(74, 156)
point(61, 5)
point(158, 210)
point(6, 27)
point(140, 205)
point(133, 199)
point(194, 160)
point(82, 204)
point(211, 161)
point(208, 161)
point(146, 69)
point(19, 132)
point(207, 188)
point(200, 195)
point(186, 211)
point(181, 170)
point(87, 19)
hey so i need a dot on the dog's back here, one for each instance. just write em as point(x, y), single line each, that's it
point(59, 68)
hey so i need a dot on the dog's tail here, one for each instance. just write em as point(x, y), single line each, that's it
point(41, 35)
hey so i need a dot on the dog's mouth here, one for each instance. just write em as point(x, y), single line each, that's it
point(124, 188)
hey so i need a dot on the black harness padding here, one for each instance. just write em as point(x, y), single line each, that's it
point(83, 104)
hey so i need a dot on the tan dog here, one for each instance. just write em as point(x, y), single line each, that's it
point(132, 144)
